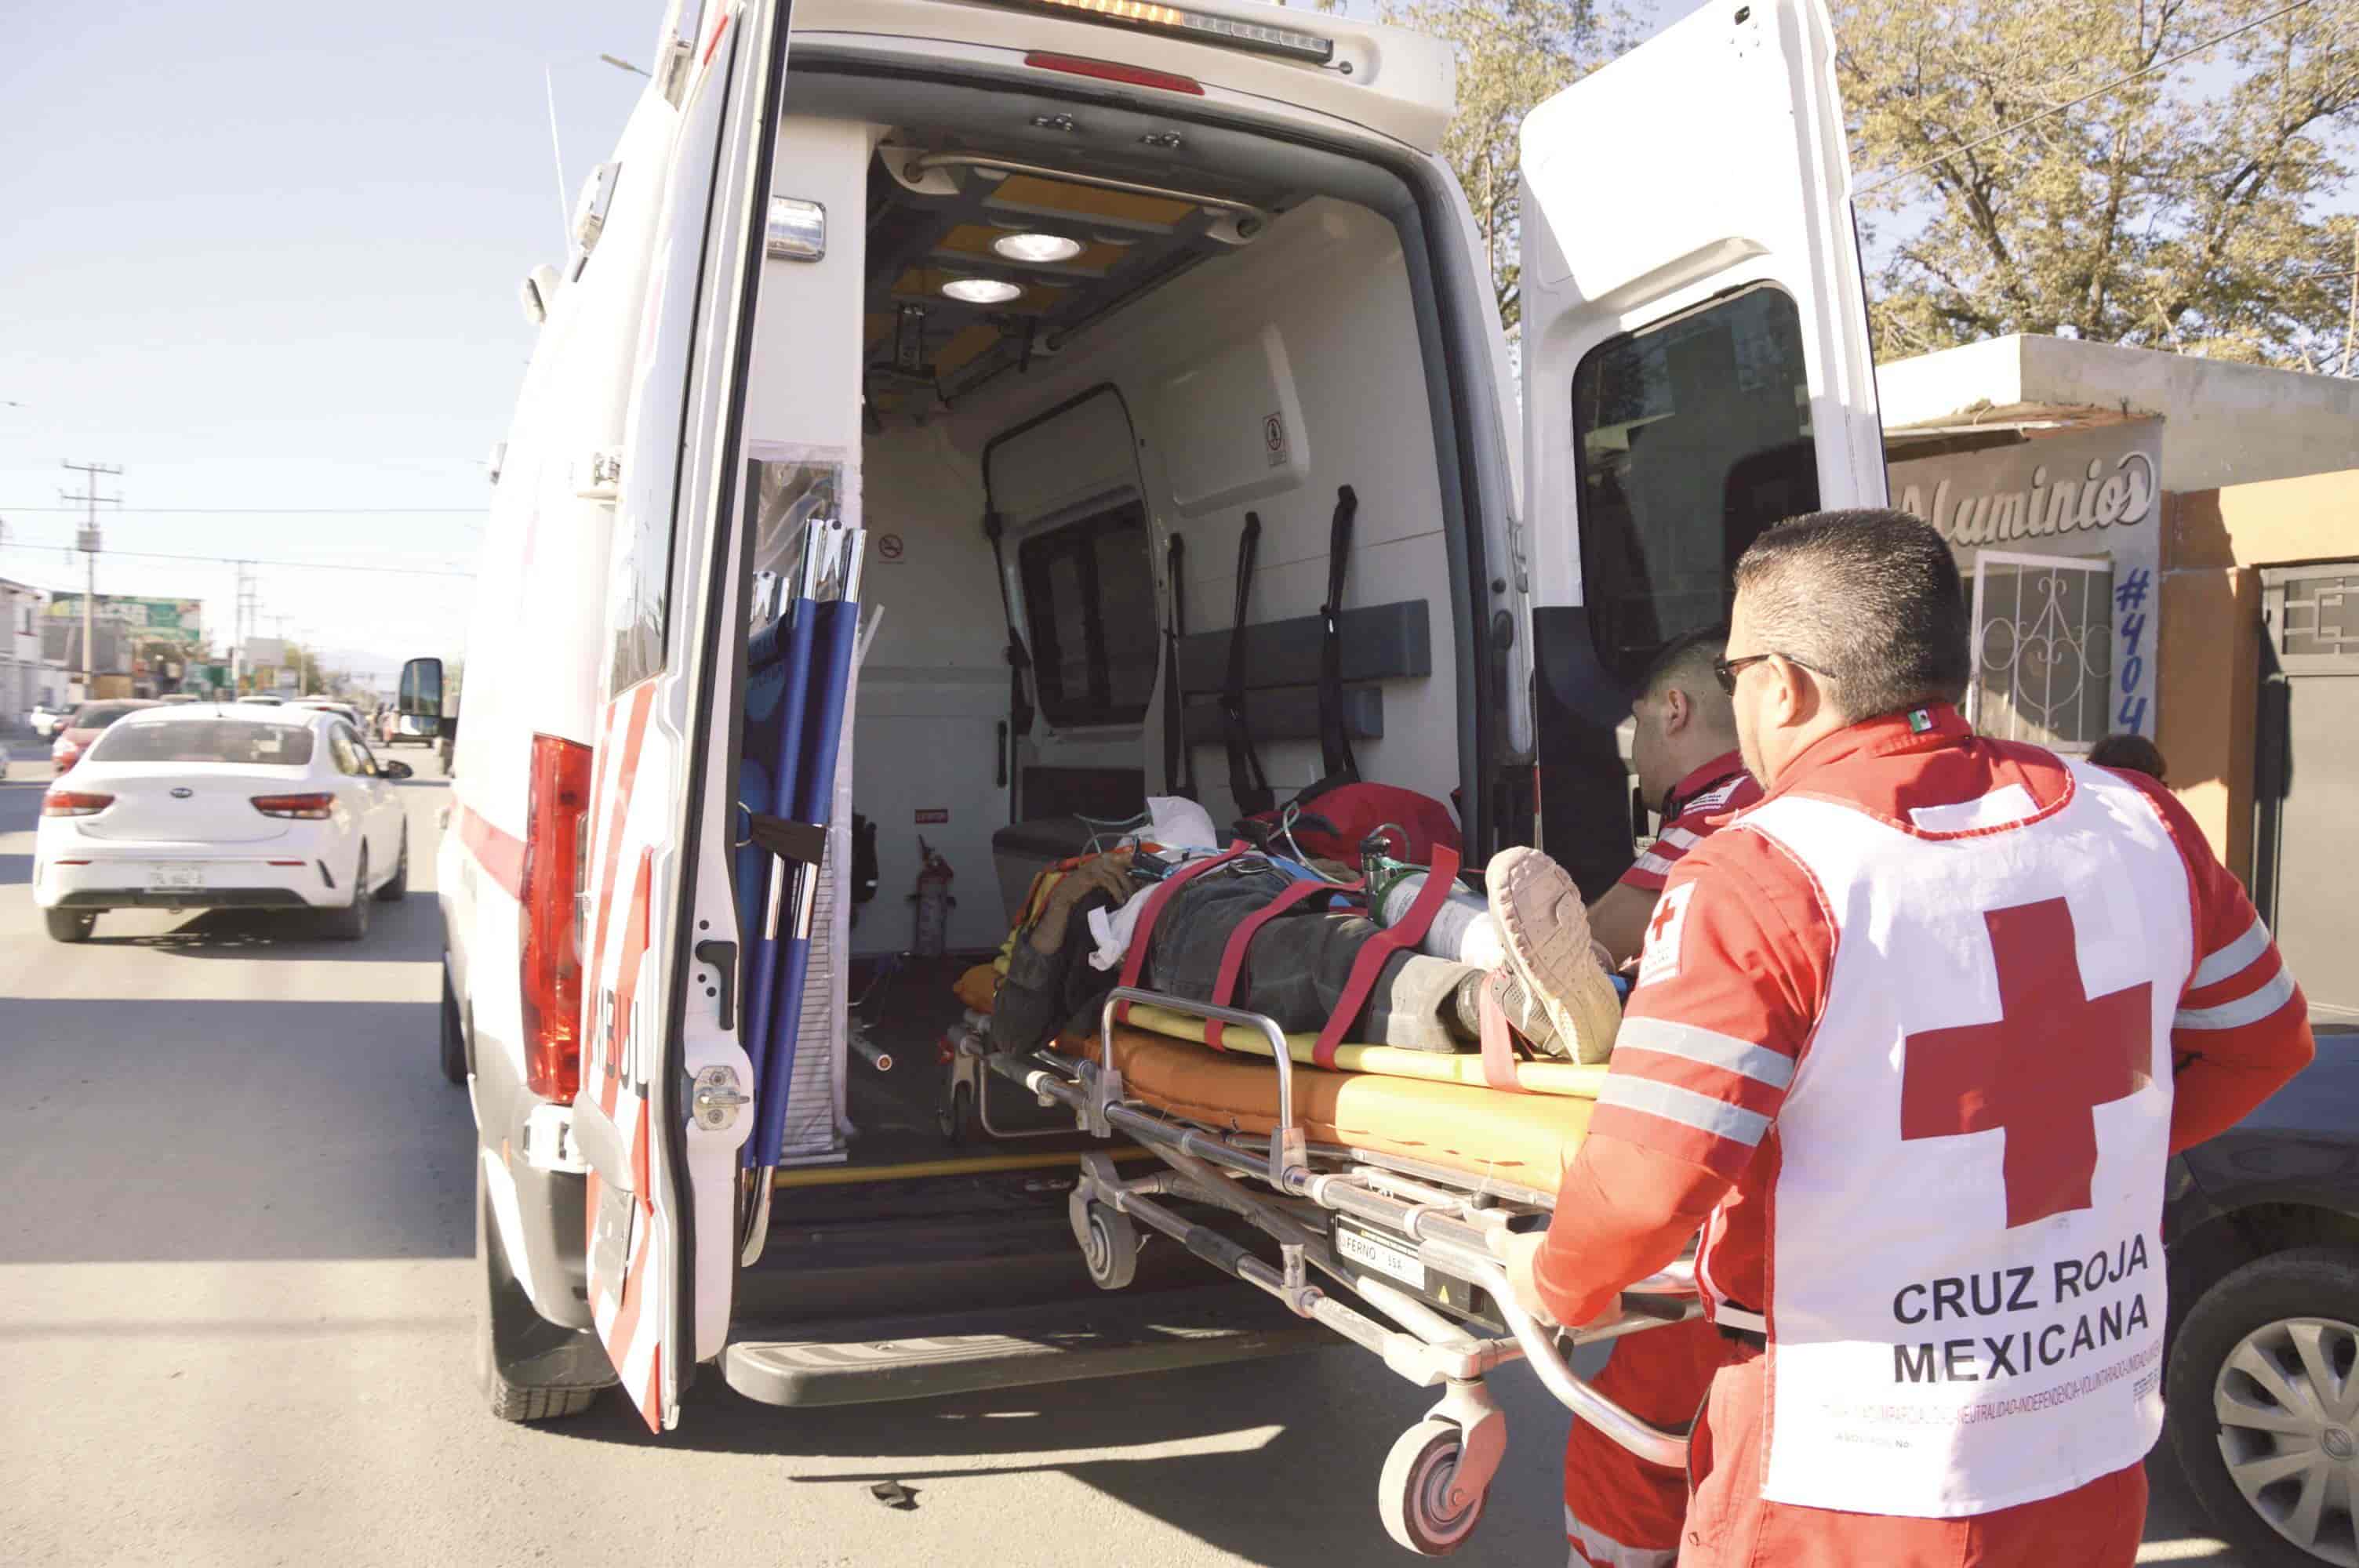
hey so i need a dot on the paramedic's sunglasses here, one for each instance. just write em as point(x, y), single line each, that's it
point(1726, 670)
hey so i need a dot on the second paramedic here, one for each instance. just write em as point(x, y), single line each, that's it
point(1948, 1346)
point(1683, 751)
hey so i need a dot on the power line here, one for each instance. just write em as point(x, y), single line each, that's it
point(2100, 93)
point(232, 560)
point(269, 511)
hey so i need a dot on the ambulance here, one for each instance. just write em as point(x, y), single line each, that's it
point(1056, 301)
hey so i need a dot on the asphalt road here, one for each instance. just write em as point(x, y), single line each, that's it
point(235, 1266)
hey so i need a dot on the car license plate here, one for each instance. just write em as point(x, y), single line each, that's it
point(175, 879)
point(1379, 1256)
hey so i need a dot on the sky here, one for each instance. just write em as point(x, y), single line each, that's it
point(264, 256)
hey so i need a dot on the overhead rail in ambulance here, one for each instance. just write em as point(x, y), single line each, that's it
point(912, 169)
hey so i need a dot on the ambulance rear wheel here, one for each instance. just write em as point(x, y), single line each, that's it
point(1413, 1495)
point(1109, 1241)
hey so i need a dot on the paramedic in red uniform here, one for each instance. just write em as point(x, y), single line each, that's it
point(1619, 1511)
point(1912, 1041)
point(1683, 751)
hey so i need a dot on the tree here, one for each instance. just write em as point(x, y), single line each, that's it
point(2183, 209)
point(1512, 55)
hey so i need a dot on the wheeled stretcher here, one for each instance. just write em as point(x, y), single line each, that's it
point(1401, 1190)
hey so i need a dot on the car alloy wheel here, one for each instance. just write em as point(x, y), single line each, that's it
point(2288, 1402)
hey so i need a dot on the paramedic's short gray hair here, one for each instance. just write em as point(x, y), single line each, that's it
point(1686, 664)
point(1869, 600)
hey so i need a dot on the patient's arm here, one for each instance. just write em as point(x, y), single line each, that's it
point(1618, 920)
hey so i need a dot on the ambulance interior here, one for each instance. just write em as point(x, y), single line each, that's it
point(1111, 332)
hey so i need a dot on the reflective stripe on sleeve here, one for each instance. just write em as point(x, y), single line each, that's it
point(1680, 838)
point(2237, 1014)
point(2238, 955)
point(1717, 1119)
point(1651, 861)
point(1708, 1047)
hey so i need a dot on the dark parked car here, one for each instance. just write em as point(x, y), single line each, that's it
point(2262, 1229)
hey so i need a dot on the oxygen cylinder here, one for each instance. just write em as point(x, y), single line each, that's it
point(933, 903)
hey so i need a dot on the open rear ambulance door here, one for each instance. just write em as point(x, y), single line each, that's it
point(658, 1117)
point(1696, 363)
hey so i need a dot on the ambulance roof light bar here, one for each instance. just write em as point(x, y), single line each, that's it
point(1203, 25)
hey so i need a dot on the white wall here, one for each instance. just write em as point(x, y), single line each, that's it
point(1330, 277)
point(2227, 424)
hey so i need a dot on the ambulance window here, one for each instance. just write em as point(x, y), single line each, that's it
point(1692, 435)
point(1089, 605)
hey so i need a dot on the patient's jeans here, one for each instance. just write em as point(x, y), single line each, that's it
point(1300, 964)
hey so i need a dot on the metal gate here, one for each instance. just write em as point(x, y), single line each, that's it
point(2305, 777)
point(2042, 648)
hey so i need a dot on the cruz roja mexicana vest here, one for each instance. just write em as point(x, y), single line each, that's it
point(1967, 1301)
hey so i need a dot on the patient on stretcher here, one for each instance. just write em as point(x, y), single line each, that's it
point(1297, 964)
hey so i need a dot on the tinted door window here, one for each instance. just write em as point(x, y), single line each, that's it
point(1693, 435)
point(1090, 611)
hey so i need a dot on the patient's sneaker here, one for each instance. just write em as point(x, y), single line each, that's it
point(1525, 1013)
point(1545, 928)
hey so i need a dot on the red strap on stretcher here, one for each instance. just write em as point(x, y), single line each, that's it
point(1233, 956)
point(1498, 1037)
point(1133, 961)
point(1439, 879)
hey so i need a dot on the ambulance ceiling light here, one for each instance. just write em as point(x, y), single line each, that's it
point(1203, 25)
point(981, 290)
point(1037, 248)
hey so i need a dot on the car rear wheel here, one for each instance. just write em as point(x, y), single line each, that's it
point(69, 925)
point(351, 923)
point(397, 886)
point(2264, 1407)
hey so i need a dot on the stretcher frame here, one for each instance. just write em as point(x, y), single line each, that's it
point(1438, 1473)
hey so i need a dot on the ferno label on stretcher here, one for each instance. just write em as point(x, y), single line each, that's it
point(1376, 1253)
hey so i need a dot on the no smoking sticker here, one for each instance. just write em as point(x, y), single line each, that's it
point(888, 547)
point(1273, 440)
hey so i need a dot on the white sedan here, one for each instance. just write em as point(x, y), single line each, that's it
point(222, 806)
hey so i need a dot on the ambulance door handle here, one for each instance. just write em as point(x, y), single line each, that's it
point(1000, 752)
point(723, 956)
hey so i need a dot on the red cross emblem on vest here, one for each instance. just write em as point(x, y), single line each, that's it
point(2039, 1072)
point(1661, 922)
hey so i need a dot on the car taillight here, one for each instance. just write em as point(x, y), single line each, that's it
point(555, 807)
point(66, 803)
point(65, 755)
point(309, 807)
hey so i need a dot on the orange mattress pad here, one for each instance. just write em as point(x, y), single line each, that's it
point(1527, 1139)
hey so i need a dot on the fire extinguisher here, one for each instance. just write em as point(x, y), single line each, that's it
point(933, 901)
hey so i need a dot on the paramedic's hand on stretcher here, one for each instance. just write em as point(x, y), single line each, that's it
point(1519, 1252)
point(1108, 875)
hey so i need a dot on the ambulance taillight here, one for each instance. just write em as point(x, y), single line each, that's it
point(556, 807)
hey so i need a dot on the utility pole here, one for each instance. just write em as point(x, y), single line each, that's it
point(285, 653)
point(88, 544)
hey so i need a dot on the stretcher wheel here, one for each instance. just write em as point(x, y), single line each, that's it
point(1109, 1241)
point(1414, 1493)
point(956, 1117)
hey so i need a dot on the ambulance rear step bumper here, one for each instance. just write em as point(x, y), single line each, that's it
point(873, 1361)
